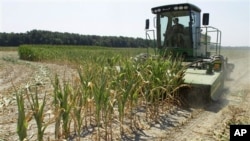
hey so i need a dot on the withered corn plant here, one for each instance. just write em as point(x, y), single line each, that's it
point(161, 79)
point(64, 100)
point(99, 96)
point(77, 113)
point(176, 81)
point(37, 108)
point(107, 111)
point(126, 85)
point(22, 123)
point(67, 102)
point(86, 76)
point(57, 107)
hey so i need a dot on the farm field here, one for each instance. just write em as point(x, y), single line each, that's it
point(57, 76)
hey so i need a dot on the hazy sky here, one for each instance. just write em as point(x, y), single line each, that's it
point(118, 17)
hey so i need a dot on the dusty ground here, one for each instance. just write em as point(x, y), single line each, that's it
point(183, 124)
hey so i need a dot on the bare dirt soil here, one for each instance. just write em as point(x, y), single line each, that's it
point(183, 124)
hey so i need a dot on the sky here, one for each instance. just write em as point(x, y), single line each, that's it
point(118, 17)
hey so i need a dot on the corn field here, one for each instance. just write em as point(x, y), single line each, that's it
point(111, 96)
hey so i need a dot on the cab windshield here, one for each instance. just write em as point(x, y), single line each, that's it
point(175, 29)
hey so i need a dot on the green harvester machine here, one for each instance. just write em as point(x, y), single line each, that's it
point(179, 33)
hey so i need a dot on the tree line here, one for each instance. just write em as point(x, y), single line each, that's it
point(59, 38)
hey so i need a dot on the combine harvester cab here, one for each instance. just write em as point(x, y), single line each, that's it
point(179, 33)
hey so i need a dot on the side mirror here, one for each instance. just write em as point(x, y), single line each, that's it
point(205, 19)
point(147, 24)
